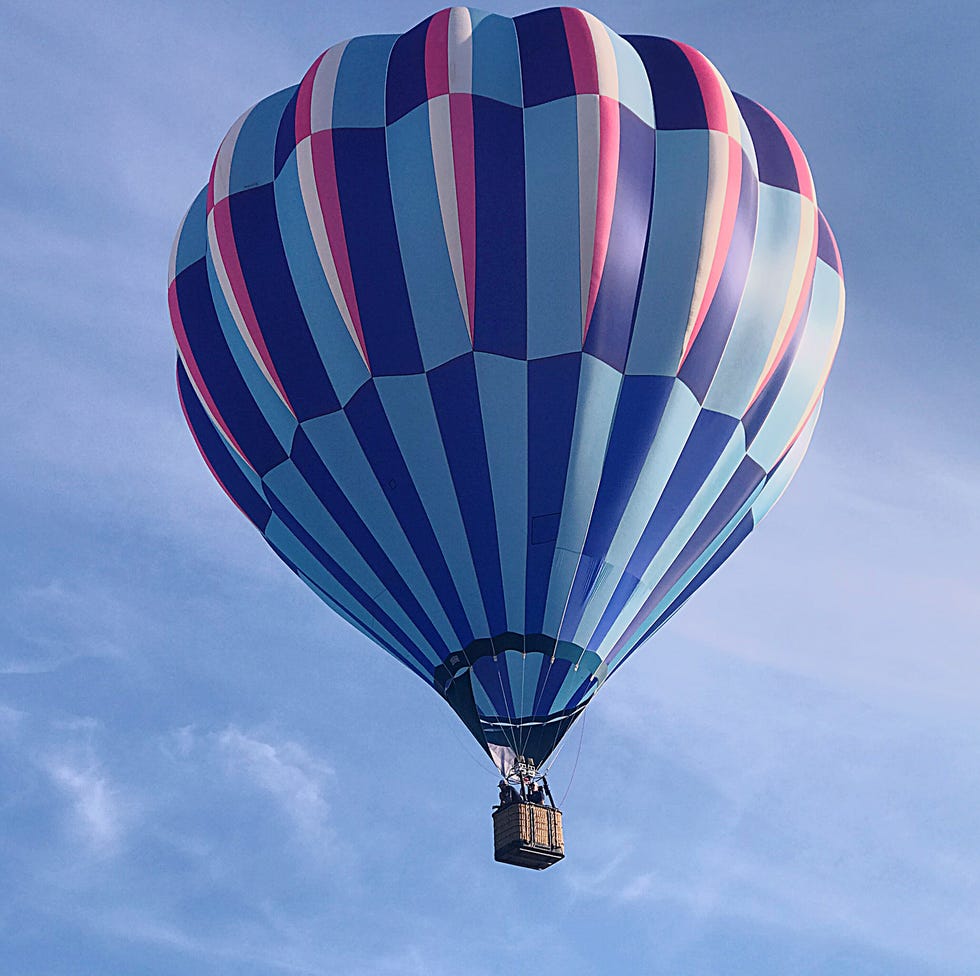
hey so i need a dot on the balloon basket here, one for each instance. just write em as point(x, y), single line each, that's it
point(527, 835)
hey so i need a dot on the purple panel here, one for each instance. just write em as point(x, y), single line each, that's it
point(776, 165)
point(546, 67)
point(405, 82)
point(677, 100)
point(826, 246)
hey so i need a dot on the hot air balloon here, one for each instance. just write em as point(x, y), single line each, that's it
point(505, 333)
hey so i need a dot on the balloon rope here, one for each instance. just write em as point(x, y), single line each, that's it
point(503, 694)
point(578, 752)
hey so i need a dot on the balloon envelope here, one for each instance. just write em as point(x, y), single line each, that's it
point(505, 333)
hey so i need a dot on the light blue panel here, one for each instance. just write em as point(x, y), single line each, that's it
point(335, 443)
point(807, 368)
point(554, 302)
point(707, 495)
point(781, 477)
point(502, 384)
point(634, 84)
point(338, 352)
point(607, 580)
point(679, 196)
point(770, 273)
point(359, 95)
point(483, 704)
point(677, 589)
point(532, 671)
point(277, 414)
point(598, 394)
point(353, 611)
point(672, 434)
point(291, 489)
point(496, 60)
point(193, 242)
point(253, 160)
point(514, 664)
point(408, 406)
point(573, 681)
point(439, 321)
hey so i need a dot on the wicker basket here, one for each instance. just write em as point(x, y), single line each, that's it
point(528, 835)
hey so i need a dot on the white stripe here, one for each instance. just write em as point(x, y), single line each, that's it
point(460, 50)
point(221, 179)
point(324, 85)
point(587, 111)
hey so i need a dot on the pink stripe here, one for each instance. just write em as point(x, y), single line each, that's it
point(732, 194)
point(833, 240)
point(229, 256)
point(191, 365)
point(799, 160)
point(187, 419)
point(605, 197)
point(304, 102)
point(581, 52)
point(711, 90)
point(325, 174)
point(437, 55)
point(464, 170)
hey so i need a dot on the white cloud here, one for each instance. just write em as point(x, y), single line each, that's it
point(99, 812)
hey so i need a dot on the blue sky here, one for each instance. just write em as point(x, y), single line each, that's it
point(785, 782)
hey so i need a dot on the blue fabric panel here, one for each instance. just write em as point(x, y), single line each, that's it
point(308, 463)
point(488, 671)
point(612, 318)
point(375, 258)
point(532, 666)
point(756, 415)
point(710, 436)
point(634, 84)
point(554, 304)
point(569, 687)
point(348, 583)
point(373, 431)
point(625, 588)
point(677, 97)
point(457, 405)
point(552, 677)
point(359, 95)
point(220, 373)
point(253, 160)
point(552, 397)
point(776, 166)
point(339, 355)
point(193, 242)
point(642, 401)
point(673, 250)
point(277, 415)
point(826, 251)
point(546, 68)
point(277, 308)
point(503, 405)
point(286, 135)
point(496, 60)
point(702, 361)
point(408, 406)
point(501, 265)
point(439, 321)
point(405, 83)
point(219, 456)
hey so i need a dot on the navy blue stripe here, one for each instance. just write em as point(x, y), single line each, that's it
point(756, 415)
point(826, 251)
point(546, 67)
point(348, 583)
point(373, 432)
point(501, 238)
point(405, 82)
point(361, 162)
point(702, 361)
point(309, 464)
point(552, 394)
point(457, 405)
point(496, 685)
point(220, 372)
point(677, 101)
point(218, 455)
point(286, 135)
point(258, 241)
point(776, 165)
point(710, 435)
point(550, 679)
point(612, 318)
